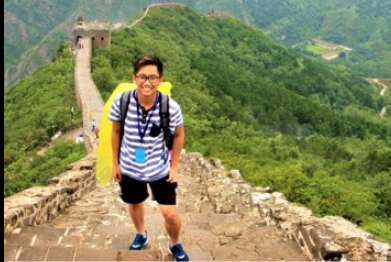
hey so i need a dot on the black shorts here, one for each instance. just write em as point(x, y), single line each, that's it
point(136, 192)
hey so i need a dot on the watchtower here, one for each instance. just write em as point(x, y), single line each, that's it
point(98, 31)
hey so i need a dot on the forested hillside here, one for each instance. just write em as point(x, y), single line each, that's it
point(34, 111)
point(27, 25)
point(33, 28)
point(360, 24)
point(285, 121)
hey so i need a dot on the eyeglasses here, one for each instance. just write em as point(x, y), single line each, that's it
point(152, 78)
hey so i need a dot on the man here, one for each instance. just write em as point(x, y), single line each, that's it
point(142, 158)
point(93, 125)
point(96, 132)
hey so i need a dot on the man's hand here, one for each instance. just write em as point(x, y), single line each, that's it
point(117, 177)
point(173, 176)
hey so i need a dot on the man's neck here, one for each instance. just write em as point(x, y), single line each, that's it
point(146, 101)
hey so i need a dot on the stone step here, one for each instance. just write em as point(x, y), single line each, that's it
point(114, 237)
point(58, 253)
point(199, 245)
point(259, 243)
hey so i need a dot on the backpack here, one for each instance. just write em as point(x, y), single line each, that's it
point(163, 113)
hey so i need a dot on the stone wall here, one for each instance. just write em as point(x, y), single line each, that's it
point(84, 103)
point(38, 205)
point(327, 238)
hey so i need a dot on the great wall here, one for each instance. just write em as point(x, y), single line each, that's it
point(224, 218)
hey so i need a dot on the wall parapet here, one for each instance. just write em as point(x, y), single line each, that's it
point(39, 205)
point(326, 238)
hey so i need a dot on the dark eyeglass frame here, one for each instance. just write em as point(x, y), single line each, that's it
point(148, 78)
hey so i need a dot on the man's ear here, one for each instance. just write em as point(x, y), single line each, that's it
point(134, 79)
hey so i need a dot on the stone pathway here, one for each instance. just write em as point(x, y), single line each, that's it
point(91, 101)
point(97, 228)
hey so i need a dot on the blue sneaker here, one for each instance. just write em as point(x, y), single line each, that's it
point(139, 242)
point(178, 253)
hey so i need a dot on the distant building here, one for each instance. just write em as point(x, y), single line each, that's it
point(213, 14)
point(330, 56)
point(98, 31)
point(331, 46)
point(281, 37)
point(346, 48)
point(325, 44)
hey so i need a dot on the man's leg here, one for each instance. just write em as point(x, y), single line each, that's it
point(172, 221)
point(134, 193)
point(165, 194)
point(137, 213)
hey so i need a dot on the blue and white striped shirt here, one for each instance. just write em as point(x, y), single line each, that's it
point(155, 166)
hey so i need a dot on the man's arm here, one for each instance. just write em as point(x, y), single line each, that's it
point(115, 140)
point(179, 138)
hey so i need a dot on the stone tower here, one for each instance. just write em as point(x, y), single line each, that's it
point(98, 31)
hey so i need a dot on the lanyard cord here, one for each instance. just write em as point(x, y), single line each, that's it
point(143, 132)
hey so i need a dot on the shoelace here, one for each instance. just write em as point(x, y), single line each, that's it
point(139, 239)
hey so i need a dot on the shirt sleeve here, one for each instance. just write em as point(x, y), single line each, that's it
point(115, 112)
point(176, 118)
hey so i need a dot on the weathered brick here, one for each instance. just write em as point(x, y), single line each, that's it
point(33, 254)
point(61, 254)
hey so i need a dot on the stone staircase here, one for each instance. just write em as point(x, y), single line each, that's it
point(98, 228)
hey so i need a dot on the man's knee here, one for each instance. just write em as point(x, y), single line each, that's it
point(170, 215)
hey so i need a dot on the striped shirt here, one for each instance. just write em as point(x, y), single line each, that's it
point(155, 166)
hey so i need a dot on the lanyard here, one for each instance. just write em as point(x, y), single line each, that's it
point(143, 132)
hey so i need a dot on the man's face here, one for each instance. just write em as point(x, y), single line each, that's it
point(147, 80)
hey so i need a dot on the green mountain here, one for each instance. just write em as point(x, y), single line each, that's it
point(360, 24)
point(33, 28)
point(286, 121)
point(27, 25)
